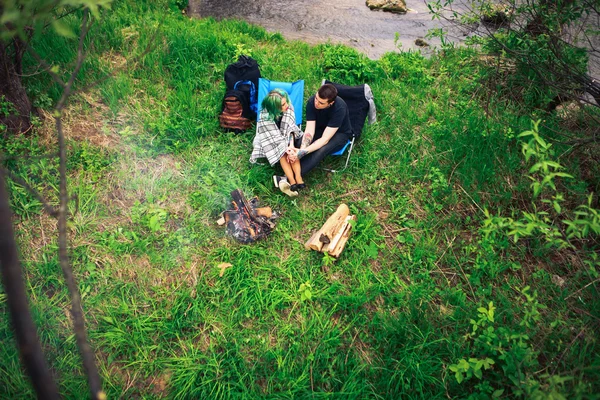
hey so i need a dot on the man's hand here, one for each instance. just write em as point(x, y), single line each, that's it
point(301, 153)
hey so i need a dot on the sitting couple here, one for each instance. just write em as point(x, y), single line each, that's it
point(279, 139)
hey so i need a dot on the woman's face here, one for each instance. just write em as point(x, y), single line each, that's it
point(284, 105)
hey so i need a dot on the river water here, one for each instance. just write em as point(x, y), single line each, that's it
point(348, 22)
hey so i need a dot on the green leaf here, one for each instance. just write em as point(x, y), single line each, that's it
point(556, 207)
point(10, 16)
point(62, 29)
point(564, 175)
point(497, 393)
point(537, 188)
point(487, 363)
point(541, 141)
point(536, 167)
point(459, 376)
point(526, 133)
point(372, 250)
point(154, 223)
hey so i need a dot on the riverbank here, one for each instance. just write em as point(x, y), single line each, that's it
point(349, 22)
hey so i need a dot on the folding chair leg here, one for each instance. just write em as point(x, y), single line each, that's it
point(349, 152)
point(347, 159)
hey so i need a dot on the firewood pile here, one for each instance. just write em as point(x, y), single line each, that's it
point(247, 222)
point(334, 234)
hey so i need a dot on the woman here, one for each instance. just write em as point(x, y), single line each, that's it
point(276, 130)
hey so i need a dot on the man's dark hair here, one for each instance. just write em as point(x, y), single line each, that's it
point(328, 92)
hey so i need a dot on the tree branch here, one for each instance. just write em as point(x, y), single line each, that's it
point(78, 65)
point(85, 349)
point(47, 67)
point(53, 212)
point(25, 330)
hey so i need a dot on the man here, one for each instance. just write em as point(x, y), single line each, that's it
point(327, 130)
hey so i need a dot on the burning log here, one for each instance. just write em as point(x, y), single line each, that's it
point(247, 223)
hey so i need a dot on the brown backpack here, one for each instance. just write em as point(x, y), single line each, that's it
point(234, 116)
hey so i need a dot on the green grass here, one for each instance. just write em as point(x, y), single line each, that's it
point(385, 321)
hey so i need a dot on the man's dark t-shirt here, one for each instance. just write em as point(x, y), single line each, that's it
point(336, 116)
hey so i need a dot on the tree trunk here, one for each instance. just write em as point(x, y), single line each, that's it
point(15, 107)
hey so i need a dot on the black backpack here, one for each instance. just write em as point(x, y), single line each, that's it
point(245, 69)
point(239, 103)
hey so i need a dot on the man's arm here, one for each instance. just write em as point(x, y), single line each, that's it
point(317, 144)
point(309, 132)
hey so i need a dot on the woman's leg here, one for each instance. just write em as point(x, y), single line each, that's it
point(287, 169)
point(296, 168)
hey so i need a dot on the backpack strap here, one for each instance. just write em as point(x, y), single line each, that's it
point(252, 99)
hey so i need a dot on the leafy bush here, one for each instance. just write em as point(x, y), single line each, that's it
point(547, 219)
point(409, 67)
point(499, 344)
point(345, 65)
point(6, 107)
point(181, 4)
point(538, 85)
point(547, 42)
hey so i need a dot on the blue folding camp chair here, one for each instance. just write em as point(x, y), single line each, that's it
point(294, 89)
point(360, 104)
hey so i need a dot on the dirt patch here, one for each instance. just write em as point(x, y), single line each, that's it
point(146, 275)
point(84, 121)
point(374, 307)
point(134, 179)
point(114, 60)
point(158, 384)
point(363, 351)
point(38, 234)
point(202, 340)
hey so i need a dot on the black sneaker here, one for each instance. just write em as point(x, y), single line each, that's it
point(285, 187)
point(278, 179)
point(298, 186)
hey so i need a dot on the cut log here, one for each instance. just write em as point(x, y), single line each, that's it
point(311, 240)
point(334, 222)
point(264, 211)
point(342, 241)
point(329, 229)
point(335, 241)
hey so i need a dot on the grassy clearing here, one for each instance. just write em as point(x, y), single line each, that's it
point(389, 319)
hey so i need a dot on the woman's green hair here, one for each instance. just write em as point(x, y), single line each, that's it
point(272, 103)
